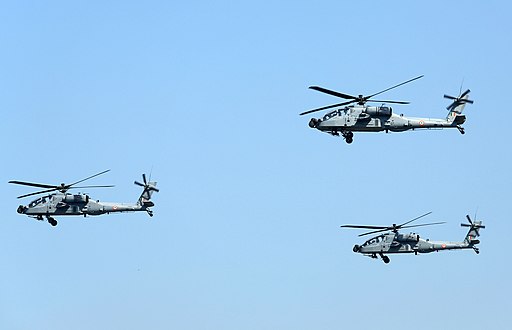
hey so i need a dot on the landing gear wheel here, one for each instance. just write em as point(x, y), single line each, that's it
point(52, 222)
point(349, 137)
point(385, 259)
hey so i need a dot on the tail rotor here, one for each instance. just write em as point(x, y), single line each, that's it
point(145, 198)
point(461, 99)
point(473, 233)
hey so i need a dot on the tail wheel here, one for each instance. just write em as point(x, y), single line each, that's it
point(385, 259)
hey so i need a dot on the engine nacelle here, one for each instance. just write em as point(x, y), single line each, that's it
point(408, 237)
point(76, 198)
point(379, 111)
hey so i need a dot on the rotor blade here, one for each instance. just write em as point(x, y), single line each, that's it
point(465, 225)
point(449, 97)
point(144, 178)
point(421, 216)
point(424, 224)
point(92, 176)
point(333, 93)
point(364, 227)
point(374, 232)
point(452, 105)
point(139, 184)
point(327, 107)
point(469, 219)
point(387, 89)
point(107, 186)
point(38, 192)
point(464, 94)
point(38, 185)
point(397, 102)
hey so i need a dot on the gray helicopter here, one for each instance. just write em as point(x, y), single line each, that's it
point(59, 202)
point(355, 116)
point(394, 242)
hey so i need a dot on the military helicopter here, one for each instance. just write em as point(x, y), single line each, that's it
point(59, 202)
point(394, 242)
point(355, 116)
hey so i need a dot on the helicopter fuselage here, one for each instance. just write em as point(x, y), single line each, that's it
point(74, 204)
point(407, 243)
point(377, 119)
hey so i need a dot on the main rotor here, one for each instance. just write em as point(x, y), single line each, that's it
point(393, 228)
point(360, 99)
point(63, 188)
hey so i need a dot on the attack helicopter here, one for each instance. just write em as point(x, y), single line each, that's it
point(355, 116)
point(59, 202)
point(394, 242)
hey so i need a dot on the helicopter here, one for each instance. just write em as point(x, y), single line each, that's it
point(59, 202)
point(355, 116)
point(393, 242)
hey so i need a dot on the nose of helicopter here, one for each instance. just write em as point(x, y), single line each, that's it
point(21, 209)
point(313, 123)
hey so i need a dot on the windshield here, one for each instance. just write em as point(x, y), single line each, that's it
point(331, 114)
point(374, 240)
point(38, 201)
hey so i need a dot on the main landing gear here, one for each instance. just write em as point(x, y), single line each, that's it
point(348, 136)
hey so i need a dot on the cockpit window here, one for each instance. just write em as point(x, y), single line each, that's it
point(331, 114)
point(38, 201)
point(374, 240)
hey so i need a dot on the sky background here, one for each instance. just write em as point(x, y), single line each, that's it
point(246, 235)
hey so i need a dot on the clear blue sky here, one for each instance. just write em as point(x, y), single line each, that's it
point(246, 228)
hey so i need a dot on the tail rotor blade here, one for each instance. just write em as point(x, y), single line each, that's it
point(469, 219)
point(465, 93)
point(449, 97)
point(144, 178)
point(139, 184)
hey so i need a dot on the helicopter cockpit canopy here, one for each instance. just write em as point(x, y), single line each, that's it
point(334, 113)
point(374, 240)
point(40, 200)
point(331, 114)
